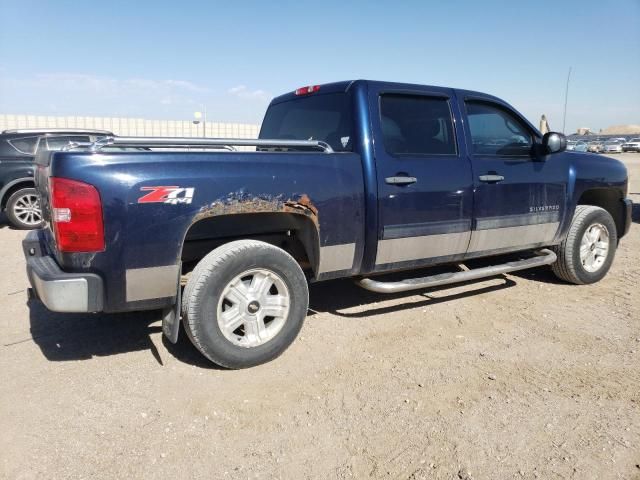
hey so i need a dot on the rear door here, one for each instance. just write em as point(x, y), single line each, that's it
point(519, 195)
point(16, 157)
point(423, 174)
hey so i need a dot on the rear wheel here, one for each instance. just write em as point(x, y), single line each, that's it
point(245, 303)
point(23, 209)
point(587, 252)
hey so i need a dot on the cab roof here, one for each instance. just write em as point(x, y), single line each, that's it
point(345, 85)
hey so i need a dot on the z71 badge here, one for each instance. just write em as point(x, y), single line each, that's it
point(171, 195)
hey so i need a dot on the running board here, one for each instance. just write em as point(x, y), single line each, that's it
point(544, 257)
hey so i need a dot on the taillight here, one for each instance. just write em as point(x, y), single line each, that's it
point(76, 215)
point(307, 90)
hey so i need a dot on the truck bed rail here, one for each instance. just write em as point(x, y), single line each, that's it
point(186, 142)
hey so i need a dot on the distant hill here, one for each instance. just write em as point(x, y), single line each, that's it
point(621, 130)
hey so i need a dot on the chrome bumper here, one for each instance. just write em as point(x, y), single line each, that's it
point(58, 290)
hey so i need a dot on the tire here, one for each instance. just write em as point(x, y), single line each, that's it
point(572, 265)
point(231, 285)
point(23, 209)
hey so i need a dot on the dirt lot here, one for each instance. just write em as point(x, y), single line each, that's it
point(515, 377)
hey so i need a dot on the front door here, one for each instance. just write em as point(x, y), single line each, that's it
point(519, 195)
point(424, 178)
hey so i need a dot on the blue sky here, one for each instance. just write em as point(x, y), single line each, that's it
point(162, 60)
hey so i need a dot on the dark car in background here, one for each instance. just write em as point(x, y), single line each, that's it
point(18, 197)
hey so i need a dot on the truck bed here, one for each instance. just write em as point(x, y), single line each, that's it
point(144, 240)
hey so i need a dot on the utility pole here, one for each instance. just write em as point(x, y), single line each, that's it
point(566, 96)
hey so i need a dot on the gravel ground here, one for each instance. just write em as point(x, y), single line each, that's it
point(520, 376)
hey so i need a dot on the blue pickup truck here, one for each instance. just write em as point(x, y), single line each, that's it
point(349, 179)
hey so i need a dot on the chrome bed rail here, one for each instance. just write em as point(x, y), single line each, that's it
point(204, 143)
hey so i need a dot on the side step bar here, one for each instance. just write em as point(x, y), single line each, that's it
point(543, 257)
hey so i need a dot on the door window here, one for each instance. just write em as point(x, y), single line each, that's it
point(495, 131)
point(416, 125)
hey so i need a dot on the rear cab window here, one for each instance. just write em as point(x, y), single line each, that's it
point(323, 117)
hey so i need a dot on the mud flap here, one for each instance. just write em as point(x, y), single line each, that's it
point(171, 315)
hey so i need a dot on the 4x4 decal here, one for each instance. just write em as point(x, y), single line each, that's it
point(167, 194)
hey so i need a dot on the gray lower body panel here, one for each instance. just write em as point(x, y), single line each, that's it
point(507, 237)
point(335, 258)
point(428, 246)
point(152, 282)
point(491, 234)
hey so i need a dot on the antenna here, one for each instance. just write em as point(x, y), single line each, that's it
point(566, 95)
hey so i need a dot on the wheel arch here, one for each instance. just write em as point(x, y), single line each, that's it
point(609, 199)
point(295, 233)
point(12, 187)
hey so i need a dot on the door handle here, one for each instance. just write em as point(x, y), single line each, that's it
point(490, 178)
point(400, 180)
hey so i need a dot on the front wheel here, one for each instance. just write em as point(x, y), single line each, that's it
point(23, 209)
point(586, 254)
point(245, 303)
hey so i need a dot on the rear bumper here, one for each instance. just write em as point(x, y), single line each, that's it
point(58, 290)
point(627, 215)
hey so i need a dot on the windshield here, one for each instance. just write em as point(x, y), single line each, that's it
point(316, 117)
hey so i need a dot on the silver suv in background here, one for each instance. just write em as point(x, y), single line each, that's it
point(18, 148)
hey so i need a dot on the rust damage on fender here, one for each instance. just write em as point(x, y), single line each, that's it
point(242, 202)
point(303, 204)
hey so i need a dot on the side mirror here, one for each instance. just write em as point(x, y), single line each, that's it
point(554, 142)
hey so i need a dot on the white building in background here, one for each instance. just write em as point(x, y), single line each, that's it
point(133, 126)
